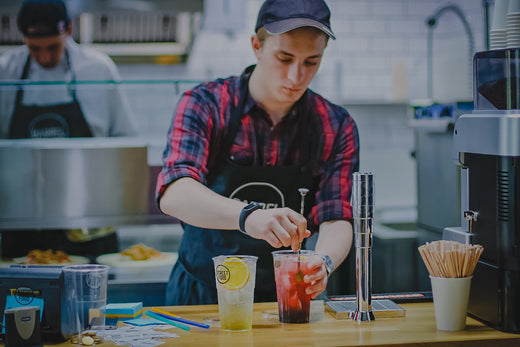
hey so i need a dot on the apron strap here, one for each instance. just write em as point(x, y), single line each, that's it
point(234, 125)
point(237, 114)
point(25, 74)
point(72, 76)
point(305, 131)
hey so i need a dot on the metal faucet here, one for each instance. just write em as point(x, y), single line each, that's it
point(431, 22)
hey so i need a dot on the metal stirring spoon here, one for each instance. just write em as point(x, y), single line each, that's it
point(299, 273)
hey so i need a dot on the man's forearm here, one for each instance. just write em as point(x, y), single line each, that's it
point(193, 203)
point(335, 240)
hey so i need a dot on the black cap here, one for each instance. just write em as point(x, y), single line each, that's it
point(280, 16)
point(40, 18)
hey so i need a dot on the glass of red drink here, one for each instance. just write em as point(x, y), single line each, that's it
point(289, 270)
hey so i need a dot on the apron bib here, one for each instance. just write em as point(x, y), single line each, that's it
point(193, 278)
point(50, 121)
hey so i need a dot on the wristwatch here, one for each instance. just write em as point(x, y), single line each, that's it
point(246, 211)
point(329, 265)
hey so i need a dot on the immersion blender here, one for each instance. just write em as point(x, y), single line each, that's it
point(363, 208)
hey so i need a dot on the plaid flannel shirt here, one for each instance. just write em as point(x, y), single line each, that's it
point(200, 125)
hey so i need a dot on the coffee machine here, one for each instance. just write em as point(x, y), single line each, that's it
point(486, 146)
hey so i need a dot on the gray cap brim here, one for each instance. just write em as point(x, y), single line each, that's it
point(285, 25)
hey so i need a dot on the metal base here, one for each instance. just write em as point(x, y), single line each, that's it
point(382, 308)
point(362, 316)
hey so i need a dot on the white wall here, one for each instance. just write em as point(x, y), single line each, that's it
point(381, 45)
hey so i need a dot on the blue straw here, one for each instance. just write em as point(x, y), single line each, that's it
point(181, 320)
point(166, 320)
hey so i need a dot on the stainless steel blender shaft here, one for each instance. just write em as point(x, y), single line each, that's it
point(363, 208)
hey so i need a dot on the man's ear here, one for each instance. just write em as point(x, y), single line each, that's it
point(255, 43)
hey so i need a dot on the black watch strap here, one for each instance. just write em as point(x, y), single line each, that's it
point(246, 211)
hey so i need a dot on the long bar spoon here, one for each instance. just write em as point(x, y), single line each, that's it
point(299, 273)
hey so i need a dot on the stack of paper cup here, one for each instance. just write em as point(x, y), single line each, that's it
point(498, 32)
point(513, 24)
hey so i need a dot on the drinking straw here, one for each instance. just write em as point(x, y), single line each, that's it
point(158, 310)
point(176, 318)
point(167, 321)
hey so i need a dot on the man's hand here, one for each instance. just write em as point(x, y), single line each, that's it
point(317, 277)
point(278, 226)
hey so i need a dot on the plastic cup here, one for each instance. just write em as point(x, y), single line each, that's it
point(235, 280)
point(450, 302)
point(293, 302)
point(86, 295)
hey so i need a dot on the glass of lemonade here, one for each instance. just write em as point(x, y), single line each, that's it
point(289, 270)
point(235, 280)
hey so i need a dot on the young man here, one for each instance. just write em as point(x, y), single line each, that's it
point(260, 137)
point(49, 55)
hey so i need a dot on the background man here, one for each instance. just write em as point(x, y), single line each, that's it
point(57, 111)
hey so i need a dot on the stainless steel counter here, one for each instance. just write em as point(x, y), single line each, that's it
point(73, 183)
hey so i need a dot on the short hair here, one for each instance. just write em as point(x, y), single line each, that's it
point(262, 35)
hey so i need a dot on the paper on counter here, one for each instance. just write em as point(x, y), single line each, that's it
point(137, 336)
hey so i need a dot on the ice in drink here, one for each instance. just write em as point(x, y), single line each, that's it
point(289, 270)
point(235, 280)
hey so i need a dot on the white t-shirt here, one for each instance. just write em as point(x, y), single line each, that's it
point(103, 104)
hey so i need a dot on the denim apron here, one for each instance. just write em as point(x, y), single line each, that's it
point(57, 120)
point(192, 280)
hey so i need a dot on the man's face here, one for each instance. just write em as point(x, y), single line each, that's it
point(289, 62)
point(47, 50)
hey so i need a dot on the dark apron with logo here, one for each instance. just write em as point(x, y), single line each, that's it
point(58, 120)
point(192, 280)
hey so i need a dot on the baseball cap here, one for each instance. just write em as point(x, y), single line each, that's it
point(40, 18)
point(280, 16)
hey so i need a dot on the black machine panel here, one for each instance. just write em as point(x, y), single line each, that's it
point(495, 297)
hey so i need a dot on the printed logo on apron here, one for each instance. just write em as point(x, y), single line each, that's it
point(272, 196)
point(48, 125)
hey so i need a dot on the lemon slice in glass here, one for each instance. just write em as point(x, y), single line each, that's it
point(238, 273)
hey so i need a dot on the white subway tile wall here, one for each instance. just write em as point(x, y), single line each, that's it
point(372, 36)
point(377, 64)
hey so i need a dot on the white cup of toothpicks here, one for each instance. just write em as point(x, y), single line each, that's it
point(451, 265)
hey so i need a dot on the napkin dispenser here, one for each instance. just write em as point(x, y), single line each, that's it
point(28, 285)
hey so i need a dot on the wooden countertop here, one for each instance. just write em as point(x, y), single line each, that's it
point(417, 327)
